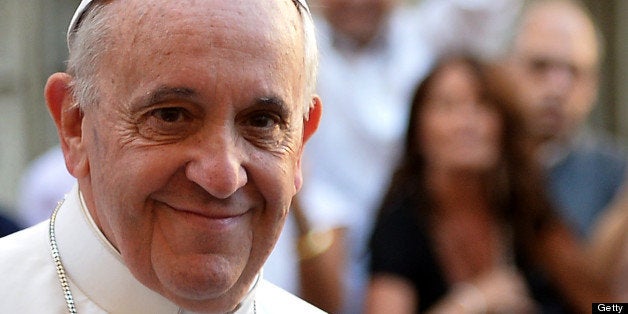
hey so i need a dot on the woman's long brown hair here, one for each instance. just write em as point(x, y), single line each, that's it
point(515, 187)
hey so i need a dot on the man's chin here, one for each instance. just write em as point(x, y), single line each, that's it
point(207, 295)
point(547, 132)
point(198, 276)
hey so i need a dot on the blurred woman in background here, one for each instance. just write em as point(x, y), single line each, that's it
point(465, 226)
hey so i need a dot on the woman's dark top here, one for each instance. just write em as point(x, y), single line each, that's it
point(7, 226)
point(401, 246)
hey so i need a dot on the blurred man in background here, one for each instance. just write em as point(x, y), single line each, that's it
point(554, 61)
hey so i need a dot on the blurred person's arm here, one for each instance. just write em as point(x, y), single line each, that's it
point(402, 264)
point(608, 242)
point(390, 294)
point(502, 290)
point(571, 268)
point(322, 260)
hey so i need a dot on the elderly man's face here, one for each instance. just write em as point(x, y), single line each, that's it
point(554, 66)
point(192, 156)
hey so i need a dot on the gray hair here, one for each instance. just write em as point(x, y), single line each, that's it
point(310, 57)
point(86, 50)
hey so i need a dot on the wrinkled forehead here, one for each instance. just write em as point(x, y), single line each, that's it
point(85, 5)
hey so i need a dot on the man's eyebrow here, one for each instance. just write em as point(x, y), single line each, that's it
point(274, 102)
point(168, 92)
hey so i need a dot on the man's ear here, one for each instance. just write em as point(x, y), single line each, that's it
point(68, 118)
point(310, 125)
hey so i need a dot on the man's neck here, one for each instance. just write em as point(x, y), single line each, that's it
point(552, 152)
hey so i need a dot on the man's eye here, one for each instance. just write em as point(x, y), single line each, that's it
point(539, 65)
point(169, 114)
point(167, 123)
point(263, 120)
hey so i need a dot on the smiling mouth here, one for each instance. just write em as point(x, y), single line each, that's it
point(210, 222)
point(211, 216)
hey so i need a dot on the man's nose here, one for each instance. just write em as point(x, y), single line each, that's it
point(216, 166)
point(560, 79)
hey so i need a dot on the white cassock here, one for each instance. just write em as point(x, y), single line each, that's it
point(99, 280)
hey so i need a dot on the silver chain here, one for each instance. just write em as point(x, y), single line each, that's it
point(69, 301)
point(56, 257)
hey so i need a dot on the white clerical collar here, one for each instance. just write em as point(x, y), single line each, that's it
point(96, 270)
